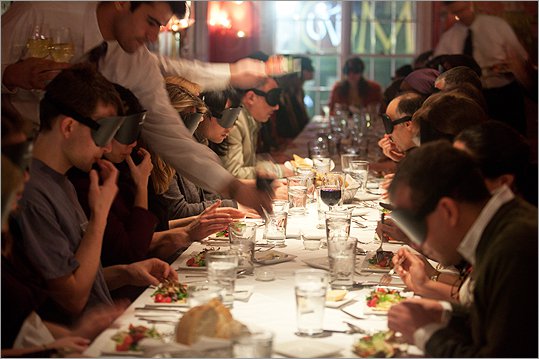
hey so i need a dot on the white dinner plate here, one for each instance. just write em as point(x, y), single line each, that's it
point(307, 348)
point(183, 265)
point(243, 292)
point(365, 267)
point(272, 257)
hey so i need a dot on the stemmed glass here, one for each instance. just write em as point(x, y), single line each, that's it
point(331, 188)
point(62, 48)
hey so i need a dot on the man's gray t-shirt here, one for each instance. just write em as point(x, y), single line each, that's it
point(52, 223)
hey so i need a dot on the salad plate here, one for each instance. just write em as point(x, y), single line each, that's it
point(381, 298)
point(368, 266)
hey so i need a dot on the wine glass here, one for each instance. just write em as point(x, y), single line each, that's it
point(38, 42)
point(331, 188)
point(61, 48)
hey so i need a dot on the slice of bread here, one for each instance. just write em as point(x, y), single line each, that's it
point(212, 320)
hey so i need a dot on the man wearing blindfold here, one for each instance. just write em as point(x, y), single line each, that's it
point(448, 211)
point(78, 122)
point(258, 105)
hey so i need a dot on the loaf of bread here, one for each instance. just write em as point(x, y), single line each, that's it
point(212, 320)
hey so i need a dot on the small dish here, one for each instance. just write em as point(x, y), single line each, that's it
point(264, 275)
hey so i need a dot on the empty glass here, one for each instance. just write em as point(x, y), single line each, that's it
point(346, 159)
point(275, 230)
point(297, 195)
point(359, 170)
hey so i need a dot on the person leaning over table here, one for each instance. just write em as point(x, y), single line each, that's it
point(125, 27)
point(452, 216)
point(258, 105)
point(78, 121)
point(166, 199)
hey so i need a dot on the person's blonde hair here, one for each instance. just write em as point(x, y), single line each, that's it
point(183, 95)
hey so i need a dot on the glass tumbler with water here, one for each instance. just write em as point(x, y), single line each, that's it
point(297, 195)
point(310, 286)
point(275, 229)
point(222, 271)
point(338, 223)
point(342, 260)
point(242, 239)
point(359, 170)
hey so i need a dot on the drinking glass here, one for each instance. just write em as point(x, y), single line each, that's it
point(279, 205)
point(61, 48)
point(331, 188)
point(222, 271)
point(338, 223)
point(38, 41)
point(359, 170)
point(242, 239)
point(257, 344)
point(275, 230)
point(346, 159)
point(321, 164)
point(199, 293)
point(342, 260)
point(310, 287)
point(297, 195)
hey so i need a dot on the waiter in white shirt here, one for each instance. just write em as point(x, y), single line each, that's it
point(126, 27)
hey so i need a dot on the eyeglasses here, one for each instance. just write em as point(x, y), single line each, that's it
point(102, 132)
point(272, 97)
point(389, 125)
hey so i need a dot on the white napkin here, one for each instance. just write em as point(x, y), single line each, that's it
point(33, 333)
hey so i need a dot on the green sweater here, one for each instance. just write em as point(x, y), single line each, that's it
point(502, 321)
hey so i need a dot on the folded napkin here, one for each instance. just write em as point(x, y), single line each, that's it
point(205, 347)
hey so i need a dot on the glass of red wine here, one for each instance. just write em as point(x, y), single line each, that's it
point(331, 188)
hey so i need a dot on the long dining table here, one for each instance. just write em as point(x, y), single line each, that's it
point(271, 305)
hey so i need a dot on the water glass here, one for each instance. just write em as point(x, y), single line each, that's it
point(338, 223)
point(347, 158)
point(310, 287)
point(199, 293)
point(256, 344)
point(342, 260)
point(297, 195)
point(222, 271)
point(359, 170)
point(321, 164)
point(275, 230)
point(322, 209)
point(312, 242)
point(279, 205)
point(242, 239)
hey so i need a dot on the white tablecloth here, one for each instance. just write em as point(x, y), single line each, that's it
point(272, 305)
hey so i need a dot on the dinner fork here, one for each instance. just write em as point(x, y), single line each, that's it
point(388, 277)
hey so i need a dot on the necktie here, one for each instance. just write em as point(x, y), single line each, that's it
point(97, 53)
point(468, 44)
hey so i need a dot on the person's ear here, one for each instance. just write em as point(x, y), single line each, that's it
point(249, 98)
point(449, 210)
point(506, 179)
point(67, 126)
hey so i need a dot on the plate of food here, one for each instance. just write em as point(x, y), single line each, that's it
point(197, 260)
point(384, 344)
point(220, 236)
point(380, 263)
point(380, 299)
point(170, 292)
point(272, 257)
point(126, 342)
point(337, 297)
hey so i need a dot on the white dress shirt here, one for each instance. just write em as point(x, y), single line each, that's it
point(492, 36)
point(140, 72)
